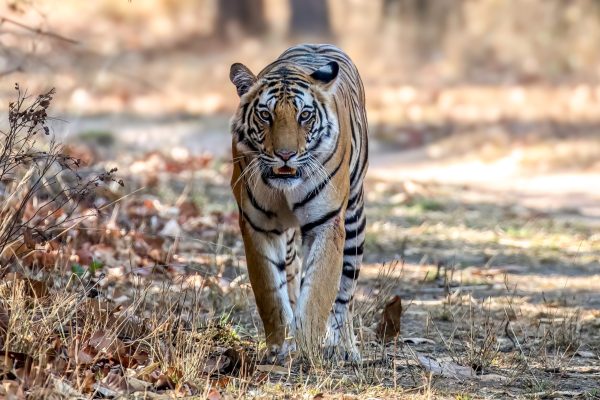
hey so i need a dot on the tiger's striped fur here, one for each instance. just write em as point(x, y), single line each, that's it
point(300, 155)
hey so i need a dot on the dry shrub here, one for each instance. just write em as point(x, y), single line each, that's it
point(41, 188)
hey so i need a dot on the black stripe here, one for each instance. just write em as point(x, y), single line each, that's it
point(280, 265)
point(245, 112)
point(355, 250)
point(315, 192)
point(320, 221)
point(350, 272)
point(289, 242)
point(355, 232)
point(249, 112)
point(290, 259)
point(258, 228)
point(241, 134)
point(342, 301)
point(354, 199)
point(267, 213)
point(358, 213)
point(362, 169)
point(335, 147)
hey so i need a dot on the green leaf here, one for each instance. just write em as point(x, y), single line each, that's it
point(95, 265)
point(77, 270)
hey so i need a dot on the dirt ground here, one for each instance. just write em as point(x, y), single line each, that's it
point(498, 271)
point(483, 206)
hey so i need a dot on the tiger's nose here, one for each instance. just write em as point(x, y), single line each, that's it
point(285, 154)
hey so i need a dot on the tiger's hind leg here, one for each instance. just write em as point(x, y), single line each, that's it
point(341, 341)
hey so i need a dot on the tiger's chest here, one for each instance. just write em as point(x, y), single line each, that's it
point(280, 210)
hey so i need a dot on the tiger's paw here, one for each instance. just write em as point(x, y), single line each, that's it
point(341, 348)
point(343, 353)
point(282, 354)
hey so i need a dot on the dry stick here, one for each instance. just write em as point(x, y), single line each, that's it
point(38, 31)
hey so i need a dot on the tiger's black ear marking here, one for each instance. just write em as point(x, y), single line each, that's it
point(241, 77)
point(327, 73)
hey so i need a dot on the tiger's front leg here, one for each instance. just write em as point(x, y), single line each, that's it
point(266, 260)
point(323, 247)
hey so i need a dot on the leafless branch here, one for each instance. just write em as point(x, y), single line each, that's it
point(38, 31)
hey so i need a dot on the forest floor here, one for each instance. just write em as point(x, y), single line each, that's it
point(483, 207)
point(499, 281)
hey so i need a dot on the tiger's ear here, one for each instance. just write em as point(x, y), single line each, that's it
point(241, 77)
point(327, 73)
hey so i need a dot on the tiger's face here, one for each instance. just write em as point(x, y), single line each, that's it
point(284, 123)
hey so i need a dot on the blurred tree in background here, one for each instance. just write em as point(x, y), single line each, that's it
point(310, 17)
point(425, 22)
point(247, 16)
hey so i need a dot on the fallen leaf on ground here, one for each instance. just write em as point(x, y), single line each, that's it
point(239, 362)
point(447, 369)
point(11, 390)
point(273, 369)
point(31, 287)
point(417, 340)
point(216, 365)
point(213, 395)
point(585, 354)
point(389, 326)
point(493, 378)
point(451, 369)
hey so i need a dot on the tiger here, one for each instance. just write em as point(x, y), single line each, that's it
point(300, 155)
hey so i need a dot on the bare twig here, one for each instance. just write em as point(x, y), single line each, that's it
point(38, 31)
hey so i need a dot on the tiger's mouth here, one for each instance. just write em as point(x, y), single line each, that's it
point(285, 172)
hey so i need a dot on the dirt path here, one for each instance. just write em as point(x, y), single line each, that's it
point(500, 180)
point(498, 272)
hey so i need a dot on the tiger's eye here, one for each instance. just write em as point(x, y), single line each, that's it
point(265, 115)
point(304, 115)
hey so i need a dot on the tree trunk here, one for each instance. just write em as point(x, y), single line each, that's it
point(310, 17)
point(245, 16)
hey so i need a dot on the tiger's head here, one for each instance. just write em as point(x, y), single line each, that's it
point(285, 123)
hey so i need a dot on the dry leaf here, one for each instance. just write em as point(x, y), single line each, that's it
point(417, 340)
point(216, 365)
point(493, 378)
point(171, 229)
point(31, 287)
point(164, 382)
point(447, 369)
point(65, 388)
point(585, 354)
point(213, 395)
point(89, 380)
point(11, 390)
point(136, 385)
point(28, 238)
point(188, 209)
point(273, 369)
point(389, 326)
point(240, 362)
